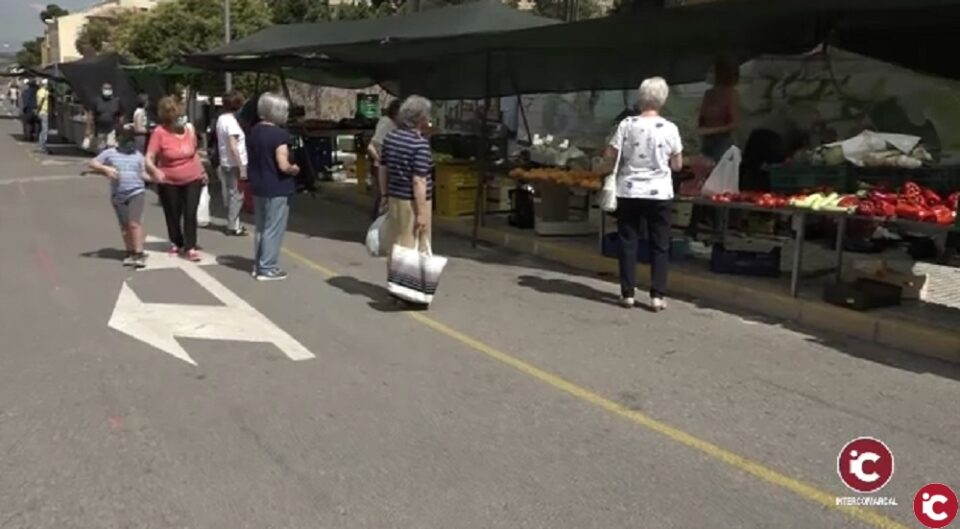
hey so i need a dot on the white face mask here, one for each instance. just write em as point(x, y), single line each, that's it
point(182, 121)
point(108, 93)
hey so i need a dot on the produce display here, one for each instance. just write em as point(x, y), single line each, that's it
point(912, 202)
point(567, 177)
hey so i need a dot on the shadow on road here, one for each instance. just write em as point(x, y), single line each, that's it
point(566, 288)
point(379, 296)
point(110, 254)
point(236, 262)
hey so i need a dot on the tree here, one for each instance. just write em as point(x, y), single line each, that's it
point(299, 11)
point(30, 54)
point(563, 9)
point(94, 37)
point(179, 27)
point(51, 12)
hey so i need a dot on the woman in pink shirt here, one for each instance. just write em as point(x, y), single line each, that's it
point(173, 160)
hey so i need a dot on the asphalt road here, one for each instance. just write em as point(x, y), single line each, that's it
point(523, 399)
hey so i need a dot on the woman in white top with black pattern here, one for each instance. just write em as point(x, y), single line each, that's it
point(647, 149)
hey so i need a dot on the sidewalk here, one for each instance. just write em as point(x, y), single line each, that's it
point(920, 328)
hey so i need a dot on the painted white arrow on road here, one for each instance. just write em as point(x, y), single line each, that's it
point(160, 324)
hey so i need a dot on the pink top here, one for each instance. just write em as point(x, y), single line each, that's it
point(176, 155)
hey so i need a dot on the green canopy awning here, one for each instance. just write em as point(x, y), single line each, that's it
point(486, 16)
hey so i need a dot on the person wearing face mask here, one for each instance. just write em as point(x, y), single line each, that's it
point(106, 118)
point(173, 160)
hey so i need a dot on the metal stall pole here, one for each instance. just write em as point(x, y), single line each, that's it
point(484, 147)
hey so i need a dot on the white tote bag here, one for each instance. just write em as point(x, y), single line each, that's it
point(377, 236)
point(414, 273)
point(607, 199)
point(726, 175)
point(203, 209)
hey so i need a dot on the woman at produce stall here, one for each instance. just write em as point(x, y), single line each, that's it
point(720, 111)
point(406, 173)
point(646, 149)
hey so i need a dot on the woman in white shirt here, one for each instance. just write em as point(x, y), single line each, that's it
point(646, 149)
point(387, 124)
point(232, 147)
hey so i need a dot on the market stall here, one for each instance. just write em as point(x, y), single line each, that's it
point(538, 59)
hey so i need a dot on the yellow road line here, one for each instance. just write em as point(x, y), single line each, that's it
point(768, 475)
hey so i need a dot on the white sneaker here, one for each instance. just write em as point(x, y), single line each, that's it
point(658, 304)
point(627, 303)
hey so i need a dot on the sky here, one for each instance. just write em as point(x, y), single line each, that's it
point(20, 20)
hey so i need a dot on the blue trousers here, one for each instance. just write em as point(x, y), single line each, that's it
point(271, 214)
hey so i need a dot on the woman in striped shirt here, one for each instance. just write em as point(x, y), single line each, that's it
point(406, 176)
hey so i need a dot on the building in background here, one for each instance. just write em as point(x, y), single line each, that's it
point(60, 38)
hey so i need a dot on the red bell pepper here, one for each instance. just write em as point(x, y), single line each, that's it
point(888, 210)
point(867, 208)
point(952, 200)
point(931, 197)
point(942, 215)
point(911, 189)
point(907, 210)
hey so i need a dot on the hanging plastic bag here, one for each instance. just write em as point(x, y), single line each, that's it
point(725, 177)
point(608, 194)
point(203, 209)
point(377, 236)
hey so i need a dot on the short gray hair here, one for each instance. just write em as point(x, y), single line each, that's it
point(273, 108)
point(653, 93)
point(413, 110)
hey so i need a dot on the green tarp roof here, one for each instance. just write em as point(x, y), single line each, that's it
point(486, 16)
point(614, 52)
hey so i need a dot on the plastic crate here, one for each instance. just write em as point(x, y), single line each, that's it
point(742, 263)
point(793, 178)
point(455, 175)
point(454, 202)
point(944, 180)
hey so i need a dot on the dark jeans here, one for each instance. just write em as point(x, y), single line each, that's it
point(655, 214)
point(180, 204)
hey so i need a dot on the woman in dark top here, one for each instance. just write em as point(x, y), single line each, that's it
point(720, 111)
point(271, 180)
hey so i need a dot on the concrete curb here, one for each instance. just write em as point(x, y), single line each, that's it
point(882, 329)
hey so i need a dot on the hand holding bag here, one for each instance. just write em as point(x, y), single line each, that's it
point(413, 274)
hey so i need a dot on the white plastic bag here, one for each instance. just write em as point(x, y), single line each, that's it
point(377, 236)
point(414, 273)
point(726, 175)
point(203, 209)
point(86, 143)
point(607, 199)
point(608, 195)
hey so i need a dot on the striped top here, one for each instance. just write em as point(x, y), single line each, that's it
point(406, 153)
